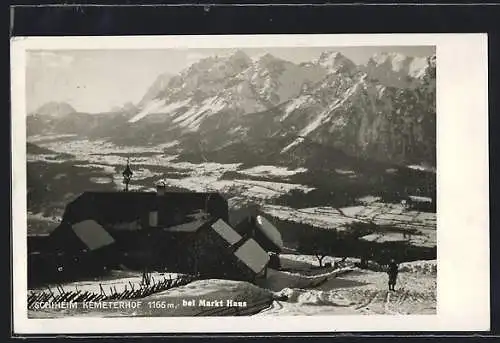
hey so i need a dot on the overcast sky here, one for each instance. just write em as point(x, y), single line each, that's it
point(97, 80)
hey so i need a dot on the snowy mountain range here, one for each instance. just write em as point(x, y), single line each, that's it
point(382, 110)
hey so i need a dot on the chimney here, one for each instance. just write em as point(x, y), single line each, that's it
point(160, 187)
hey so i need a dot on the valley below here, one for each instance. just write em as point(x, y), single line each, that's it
point(364, 208)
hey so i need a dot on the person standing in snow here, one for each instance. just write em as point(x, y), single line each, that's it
point(392, 271)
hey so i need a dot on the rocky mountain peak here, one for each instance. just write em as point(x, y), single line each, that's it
point(335, 61)
point(55, 109)
point(240, 56)
point(393, 58)
point(268, 58)
point(159, 86)
point(397, 70)
point(383, 110)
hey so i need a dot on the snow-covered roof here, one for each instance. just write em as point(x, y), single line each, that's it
point(270, 231)
point(251, 254)
point(93, 235)
point(226, 232)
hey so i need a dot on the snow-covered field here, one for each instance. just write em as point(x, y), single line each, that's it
point(98, 146)
point(251, 189)
point(272, 171)
point(41, 217)
point(323, 217)
point(45, 138)
point(423, 168)
point(101, 180)
point(425, 238)
point(49, 158)
point(200, 176)
point(108, 169)
point(208, 176)
point(382, 214)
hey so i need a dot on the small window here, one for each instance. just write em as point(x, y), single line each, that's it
point(153, 218)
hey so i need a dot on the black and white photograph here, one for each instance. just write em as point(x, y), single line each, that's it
point(255, 181)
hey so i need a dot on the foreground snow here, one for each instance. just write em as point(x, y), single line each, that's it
point(305, 262)
point(119, 283)
point(294, 291)
point(353, 295)
point(362, 292)
point(419, 267)
point(204, 297)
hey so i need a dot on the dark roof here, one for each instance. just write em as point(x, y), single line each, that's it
point(116, 207)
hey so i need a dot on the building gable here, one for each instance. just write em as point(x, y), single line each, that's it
point(253, 256)
point(226, 232)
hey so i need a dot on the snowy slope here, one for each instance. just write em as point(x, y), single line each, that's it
point(366, 116)
point(228, 83)
point(361, 292)
point(159, 86)
point(331, 292)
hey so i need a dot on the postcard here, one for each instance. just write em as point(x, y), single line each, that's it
point(287, 183)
